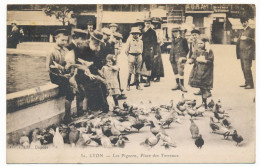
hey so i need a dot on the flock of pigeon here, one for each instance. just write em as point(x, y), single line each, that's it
point(111, 129)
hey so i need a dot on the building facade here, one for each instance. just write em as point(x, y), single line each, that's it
point(220, 22)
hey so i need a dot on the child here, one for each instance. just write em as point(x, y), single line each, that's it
point(201, 75)
point(134, 50)
point(110, 73)
point(58, 74)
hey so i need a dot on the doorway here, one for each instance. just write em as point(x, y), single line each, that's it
point(217, 31)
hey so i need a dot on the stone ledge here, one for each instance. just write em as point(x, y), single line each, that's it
point(22, 99)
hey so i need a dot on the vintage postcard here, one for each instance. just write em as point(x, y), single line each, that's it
point(130, 83)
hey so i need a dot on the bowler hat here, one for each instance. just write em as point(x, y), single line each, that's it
point(90, 23)
point(113, 25)
point(148, 20)
point(204, 38)
point(109, 57)
point(14, 22)
point(156, 20)
point(176, 29)
point(243, 19)
point(135, 30)
point(195, 31)
point(97, 35)
point(118, 35)
point(138, 21)
point(106, 31)
point(63, 31)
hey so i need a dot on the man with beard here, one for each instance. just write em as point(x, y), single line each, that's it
point(149, 49)
point(96, 91)
point(246, 52)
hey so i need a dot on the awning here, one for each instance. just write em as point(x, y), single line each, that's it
point(31, 18)
point(158, 13)
point(236, 24)
point(122, 17)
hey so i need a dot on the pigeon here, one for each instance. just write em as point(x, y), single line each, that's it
point(157, 115)
point(35, 139)
point(24, 140)
point(154, 129)
point(226, 123)
point(105, 142)
point(194, 130)
point(57, 139)
point(211, 104)
point(219, 129)
point(138, 124)
point(219, 116)
point(73, 135)
point(237, 138)
point(192, 112)
point(213, 125)
point(168, 122)
point(167, 141)
point(199, 142)
point(151, 141)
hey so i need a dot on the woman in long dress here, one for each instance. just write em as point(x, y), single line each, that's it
point(157, 68)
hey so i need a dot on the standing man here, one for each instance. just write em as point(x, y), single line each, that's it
point(150, 49)
point(178, 53)
point(246, 52)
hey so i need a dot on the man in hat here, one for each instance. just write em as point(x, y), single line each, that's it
point(134, 50)
point(14, 36)
point(90, 28)
point(178, 53)
point(95, 87)
point(109, 44)
point(149, 49)
point(246, 52)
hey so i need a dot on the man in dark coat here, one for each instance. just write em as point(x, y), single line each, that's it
point(149, 48)
point(246, 52)
point(178, 54)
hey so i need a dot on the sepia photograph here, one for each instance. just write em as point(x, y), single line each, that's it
point(130, 83)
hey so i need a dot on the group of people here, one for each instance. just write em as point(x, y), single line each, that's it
point(88, 66)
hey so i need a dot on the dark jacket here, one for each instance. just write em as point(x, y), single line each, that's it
point(179, 48)
point(247, 46)
point(150, 40)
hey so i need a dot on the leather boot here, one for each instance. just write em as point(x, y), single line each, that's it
point(67, 117)
point(147, 82)
point(183, 89)
point(177, 86)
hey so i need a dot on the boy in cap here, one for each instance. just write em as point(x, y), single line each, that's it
point(178, 53)
point(57, 71)
point(134, 50)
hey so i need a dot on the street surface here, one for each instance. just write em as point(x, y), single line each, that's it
point(237, 101)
